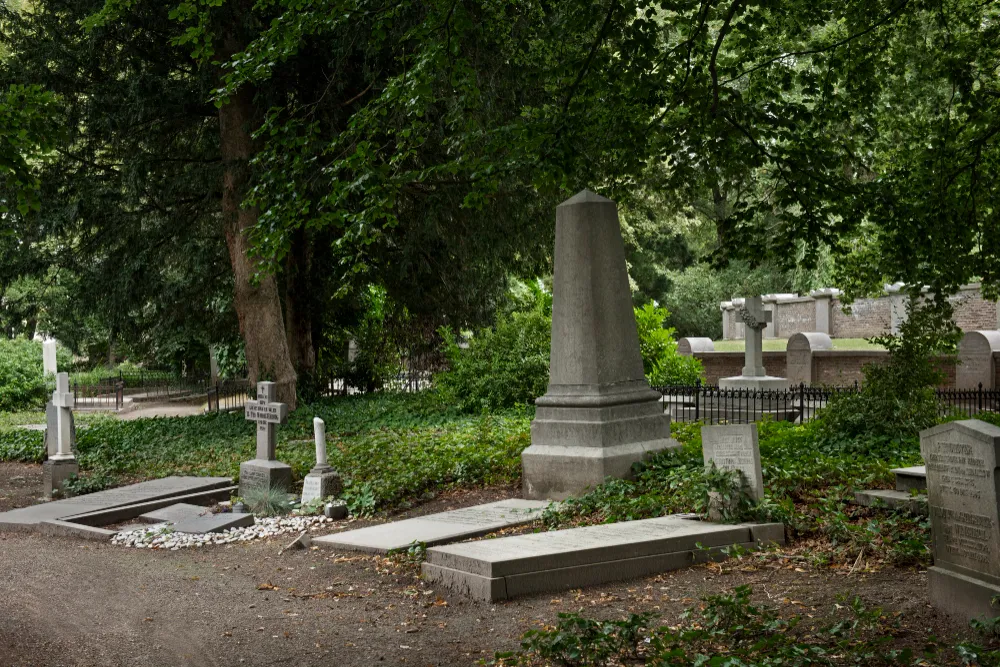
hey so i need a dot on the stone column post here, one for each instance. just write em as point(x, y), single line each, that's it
point(824, 309)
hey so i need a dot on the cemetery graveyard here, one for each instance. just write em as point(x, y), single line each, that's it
point(602, 504)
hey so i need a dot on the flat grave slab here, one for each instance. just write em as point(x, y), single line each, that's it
point(508, 567)
point(914, 477)
point(213, 523)
point(437, 528)
point(174, 513)
point(28, 518)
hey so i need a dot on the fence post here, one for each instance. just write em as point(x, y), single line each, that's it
point(697, 399)
point(980, 398)
point(802, 402)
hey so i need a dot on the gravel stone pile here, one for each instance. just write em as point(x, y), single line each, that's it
point(161, 536)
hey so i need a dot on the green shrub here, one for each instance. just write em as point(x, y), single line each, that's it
point(508, 365)
point(897, 399)
point(661, 362)
point(22, 383)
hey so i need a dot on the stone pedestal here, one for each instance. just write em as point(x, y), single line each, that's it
point(321, 482)
point(766, 382)
point(264, 473)
point(55, 472)
point(599, 415)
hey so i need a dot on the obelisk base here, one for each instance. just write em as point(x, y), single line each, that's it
point(55, 472)
point(321, 483)
point(260, 473)
point(577, 441)
point(755, 383)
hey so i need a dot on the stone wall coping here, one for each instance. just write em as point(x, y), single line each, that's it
point(825, 292)
point(874, 354)
point(772, 298)
point(794, 299)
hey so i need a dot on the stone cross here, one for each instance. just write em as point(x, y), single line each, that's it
point(62, 399)
point(268, 414)
point(755, 318)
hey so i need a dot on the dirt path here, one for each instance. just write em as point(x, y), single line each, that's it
point(66, 602)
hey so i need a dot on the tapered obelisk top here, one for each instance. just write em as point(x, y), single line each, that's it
point(585, 197)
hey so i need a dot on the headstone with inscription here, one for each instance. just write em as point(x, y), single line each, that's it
point(961, 459)
point(60, 463)
point(322, 481)
point(735, 448)
point(265, 470)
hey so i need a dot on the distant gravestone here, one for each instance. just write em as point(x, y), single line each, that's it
point(961, 460)
point(975, 360)
point(265, 471)
point(799, 355)
point(322, 481)
point(735, 448)
point(52, 430)
point(688, 346)
point(61, 463)
point(49, 363)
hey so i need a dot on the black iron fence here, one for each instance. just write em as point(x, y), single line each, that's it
point(229, 395)
point(712, 404)
point(407, 382)
point(107, 394)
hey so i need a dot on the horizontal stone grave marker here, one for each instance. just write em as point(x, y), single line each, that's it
point(113, 505)
point(735, 448)
point(961, 459)
point(436, 528)
point(508, 567)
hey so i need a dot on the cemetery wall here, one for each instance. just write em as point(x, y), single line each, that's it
point(829, 367)
point(794, 316)
point(867, 317)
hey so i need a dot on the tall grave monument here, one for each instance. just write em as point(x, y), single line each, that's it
point(265, 470)
point(599, 415)
point(755, 319)
point(60, 462)
point(962, 460)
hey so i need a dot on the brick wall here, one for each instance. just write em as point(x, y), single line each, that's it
point(868, 317)
point(794, 317)
point(729, 364)
point(973, 312)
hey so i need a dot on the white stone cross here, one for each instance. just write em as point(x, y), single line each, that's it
point(267, 414)
point(319, 429)
point(755, 319)
point(63, 400)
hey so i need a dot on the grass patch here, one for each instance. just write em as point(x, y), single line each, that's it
point(780, 344)
point(389, 448)
point(27, 417)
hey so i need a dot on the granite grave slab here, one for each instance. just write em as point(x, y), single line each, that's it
point(29, 518)
point(509, 567)
point(436, 528)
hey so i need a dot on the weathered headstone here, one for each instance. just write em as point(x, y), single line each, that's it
point(976, 363)
point(265, 471)
point(799, 355)
point(734, 447)
point(961, 459)
point(61, 463)
point(49, 363)
point(689, 346)
point(599, 415)
point(755, 320)
point(322, 481)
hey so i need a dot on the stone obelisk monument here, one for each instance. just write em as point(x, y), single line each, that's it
point(599, 415)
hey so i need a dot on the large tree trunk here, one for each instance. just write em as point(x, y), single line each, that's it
point(257, 306)
point(298, 306)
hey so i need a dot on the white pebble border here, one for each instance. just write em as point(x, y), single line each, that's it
point(161, 536)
